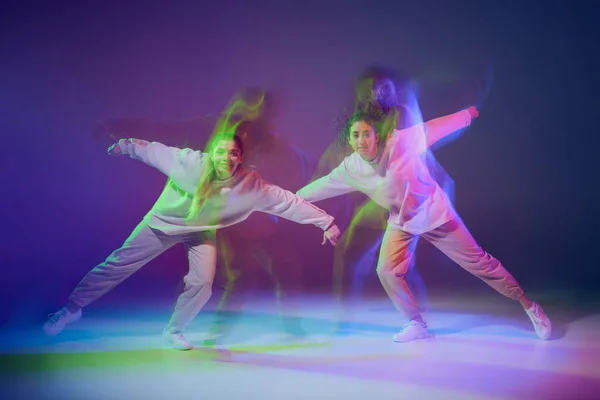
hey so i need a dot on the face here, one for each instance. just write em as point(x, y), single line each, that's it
point(227, 157)
point(363, 140)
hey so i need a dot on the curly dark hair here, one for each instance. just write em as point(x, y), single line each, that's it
point(383, 122)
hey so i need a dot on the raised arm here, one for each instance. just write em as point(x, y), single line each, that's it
point(418, 138)
point(171, 161)
point(438, 128)
point(336, 183)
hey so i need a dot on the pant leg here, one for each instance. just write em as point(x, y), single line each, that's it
point(417, 285)
point(397, 250)
point(368, 227)
point(413, 278)
point(233, 250)
point(454, 240)
point(202, 256)
point(141, 247)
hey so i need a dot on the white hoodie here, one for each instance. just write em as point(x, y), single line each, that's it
point(232, 200)
point(398, 178)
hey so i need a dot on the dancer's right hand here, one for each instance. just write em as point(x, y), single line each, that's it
point(115, 148)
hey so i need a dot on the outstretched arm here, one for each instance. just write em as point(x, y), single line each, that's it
point(418, 138)
point(171, 161)
point(438, 128)
point(283, 203)
point(336, 183)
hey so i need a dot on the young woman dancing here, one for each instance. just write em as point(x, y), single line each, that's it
point(388, 165)
point(358, 249)
point(205, 192)
point(262, 241)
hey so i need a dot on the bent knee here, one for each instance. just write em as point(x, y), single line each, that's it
point(196, 289)
point(199, 282)
point(385, 271)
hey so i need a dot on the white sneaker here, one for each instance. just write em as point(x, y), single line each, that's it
point(177, 341)
point(58, 320)
point(541, 323)
point(412, 330)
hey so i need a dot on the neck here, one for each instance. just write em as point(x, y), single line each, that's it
point(370, 157)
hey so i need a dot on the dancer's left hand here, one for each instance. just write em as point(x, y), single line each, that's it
point(473, 112)
point(332, 234)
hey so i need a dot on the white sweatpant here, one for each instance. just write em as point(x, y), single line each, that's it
point(143, 245)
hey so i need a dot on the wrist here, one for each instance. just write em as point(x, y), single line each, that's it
point(124, 145)
point(332, 223)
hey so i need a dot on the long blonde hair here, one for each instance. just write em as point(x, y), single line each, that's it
point(238, 112)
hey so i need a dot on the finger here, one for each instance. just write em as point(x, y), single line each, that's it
point(114, 150)
point(333, 239)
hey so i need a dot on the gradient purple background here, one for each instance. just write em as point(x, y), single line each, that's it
point(525, 173)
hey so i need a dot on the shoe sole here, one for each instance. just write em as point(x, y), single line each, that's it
point(171, 347)
point(426, 338)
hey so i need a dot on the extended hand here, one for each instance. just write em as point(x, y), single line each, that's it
point(473, 112)
point(332, 234)
point(115, 148)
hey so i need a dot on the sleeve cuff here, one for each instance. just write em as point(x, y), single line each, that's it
point(330, 224)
